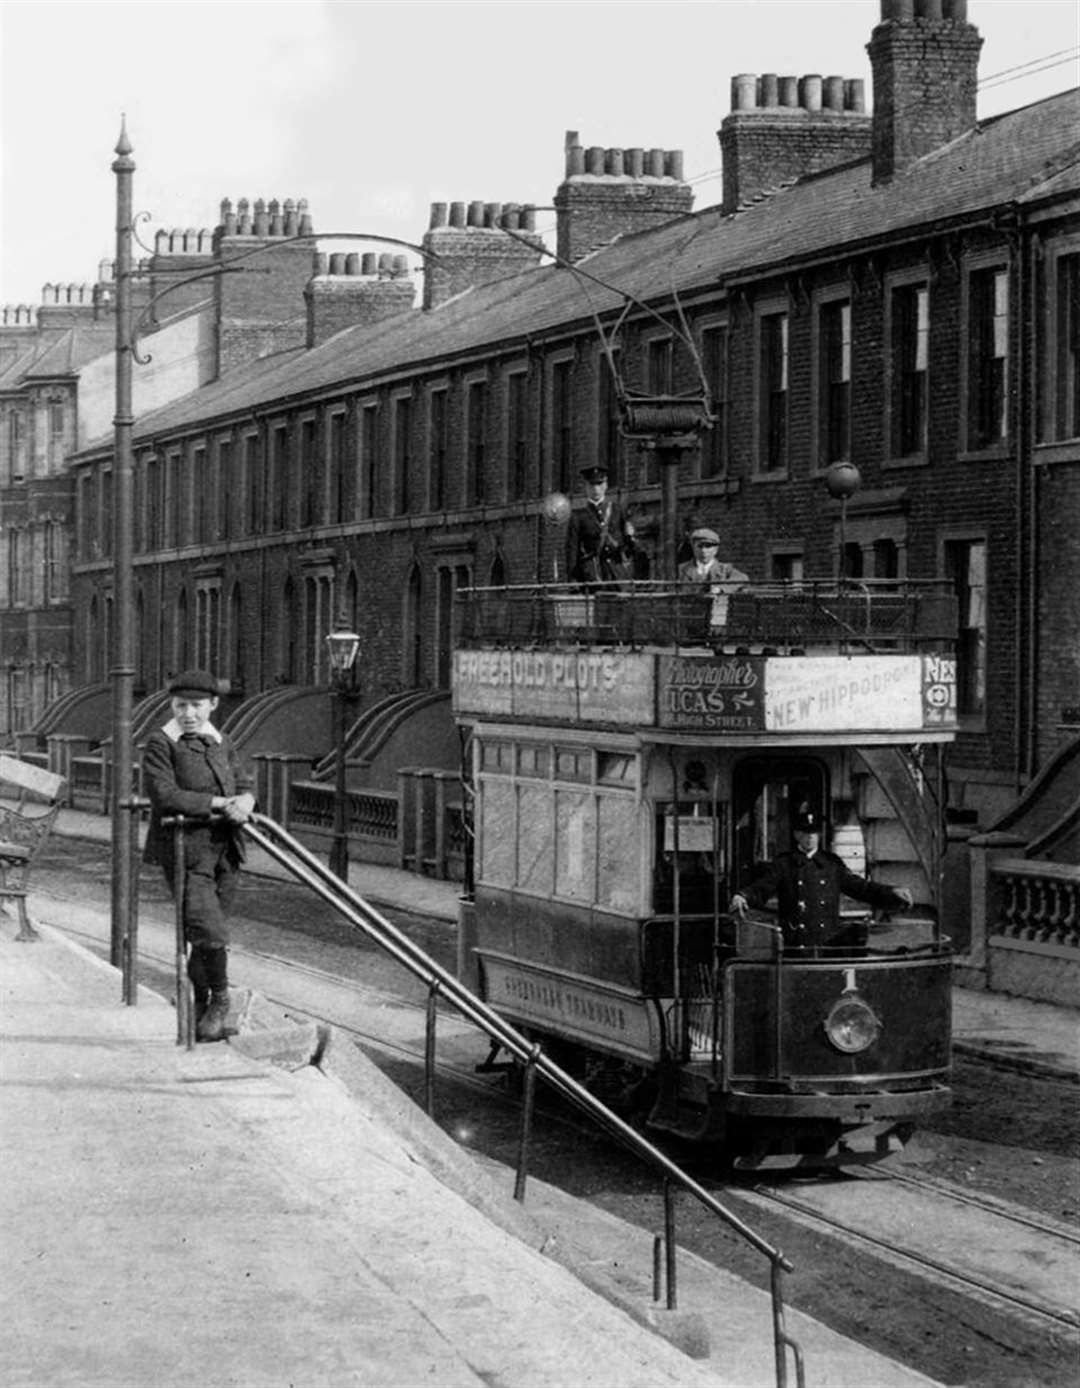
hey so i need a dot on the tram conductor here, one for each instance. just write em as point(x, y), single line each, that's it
point(807, 883)
point(600, 543)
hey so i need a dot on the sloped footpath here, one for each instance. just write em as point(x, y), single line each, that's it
point(176, 1216)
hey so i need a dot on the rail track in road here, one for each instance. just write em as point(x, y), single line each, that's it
point(914, 1251)
point(1001, 1255)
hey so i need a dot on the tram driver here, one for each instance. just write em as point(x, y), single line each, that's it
point(807, 883)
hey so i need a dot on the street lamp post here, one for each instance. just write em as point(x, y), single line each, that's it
point(123, 672)
point(343, 645)
point(124, 856)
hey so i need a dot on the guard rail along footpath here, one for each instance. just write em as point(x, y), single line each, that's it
point(312, 872)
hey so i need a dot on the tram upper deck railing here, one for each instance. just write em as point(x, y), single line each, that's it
point(847, 617)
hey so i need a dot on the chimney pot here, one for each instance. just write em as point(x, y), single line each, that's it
point(438, 215)
point(594, 160)
point(744, 91)
point(673, 164)
point(575, 155)
point(654, 163)
point(369, 263)
point(476, 214)
point(833, 94)
point(613, 163)
point(457, 214)
point(810, 92)
point(769, 90)
point(788, 90)
point(635, 162)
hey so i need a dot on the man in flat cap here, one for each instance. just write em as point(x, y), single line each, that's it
point(723, 578)
point(190, 768)
point(600, 544)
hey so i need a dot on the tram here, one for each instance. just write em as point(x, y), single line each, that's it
point(633, 756)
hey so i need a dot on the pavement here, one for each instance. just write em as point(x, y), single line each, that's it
point(245, 1215)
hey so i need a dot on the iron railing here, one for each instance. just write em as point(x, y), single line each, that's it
point(898, 616)
point(309, 869)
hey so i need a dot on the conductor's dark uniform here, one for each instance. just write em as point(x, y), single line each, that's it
point(808, 892)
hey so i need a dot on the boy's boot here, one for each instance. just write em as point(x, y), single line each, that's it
point(196, 971)
point(211, 1025)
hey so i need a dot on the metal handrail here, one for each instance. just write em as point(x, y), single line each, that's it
point(307, 868)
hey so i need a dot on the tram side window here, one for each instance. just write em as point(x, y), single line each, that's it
point(691, 835)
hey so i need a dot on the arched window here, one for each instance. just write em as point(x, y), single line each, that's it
point(288, 643)
point(236, 638)
point(352, 600)
point(181, 634)
point(411, 653)
point(95, 653)
point(142, 663)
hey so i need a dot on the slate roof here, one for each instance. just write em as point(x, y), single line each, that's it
point(55, 352)
point(1014, 158)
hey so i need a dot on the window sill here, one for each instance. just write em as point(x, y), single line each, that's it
point(995, 453)
point(1067, 451)
point(911, 460)
point(772, 476)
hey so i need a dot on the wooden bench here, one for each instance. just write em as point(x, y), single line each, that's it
point(24, 828)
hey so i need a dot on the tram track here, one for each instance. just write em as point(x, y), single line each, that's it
point(976, 1200)
point(990, 1291)
point(398, 1036)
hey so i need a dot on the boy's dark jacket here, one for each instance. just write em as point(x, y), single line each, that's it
point(181, 778)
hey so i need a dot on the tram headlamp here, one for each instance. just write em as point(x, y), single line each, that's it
point(851, 1025)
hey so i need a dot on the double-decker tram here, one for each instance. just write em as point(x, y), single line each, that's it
point(635, 757)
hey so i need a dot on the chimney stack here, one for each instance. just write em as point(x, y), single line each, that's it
point(349, 290)
point(782, 127)
point(924, 56)
point(477, 243)
point(260, 304)
point(613, 192)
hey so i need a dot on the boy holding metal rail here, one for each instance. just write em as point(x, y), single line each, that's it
point(190, 768)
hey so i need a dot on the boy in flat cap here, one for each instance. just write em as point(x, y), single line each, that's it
point(723, 578)
point(190, 768)
point(600, 544)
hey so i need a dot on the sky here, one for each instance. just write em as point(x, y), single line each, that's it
point(373, 111)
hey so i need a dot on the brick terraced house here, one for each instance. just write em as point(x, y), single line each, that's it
point(897, 288)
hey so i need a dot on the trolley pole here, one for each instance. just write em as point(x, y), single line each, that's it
point(123, 673)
